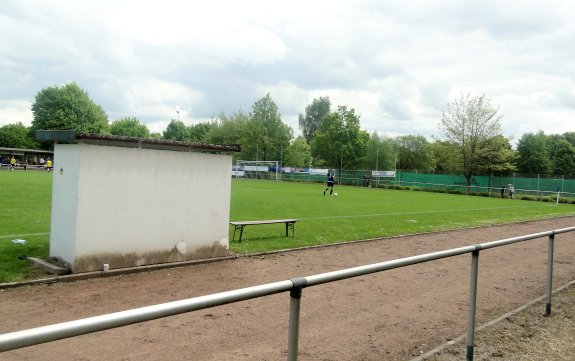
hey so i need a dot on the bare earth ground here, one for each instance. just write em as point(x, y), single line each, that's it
point(525, 335)
point(394, 315)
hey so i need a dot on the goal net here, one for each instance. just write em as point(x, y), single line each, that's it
point(257, 169)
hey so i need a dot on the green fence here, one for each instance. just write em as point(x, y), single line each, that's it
point(525, 185)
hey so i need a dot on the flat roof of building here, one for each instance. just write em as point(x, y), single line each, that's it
point(22, 151)
point(71, 136)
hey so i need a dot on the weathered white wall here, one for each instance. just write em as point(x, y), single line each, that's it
point(129, 206)
point(64, 204)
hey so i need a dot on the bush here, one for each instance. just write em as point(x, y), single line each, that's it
point(454, 191)
point(436, 190)
point(478, 194)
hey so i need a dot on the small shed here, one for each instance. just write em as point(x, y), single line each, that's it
point(125, 202)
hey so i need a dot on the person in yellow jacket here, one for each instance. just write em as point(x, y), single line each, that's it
point(12, 163)
point(48, 165)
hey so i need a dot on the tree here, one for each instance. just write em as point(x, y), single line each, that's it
point(177, 130)
point(157, 136)
point(268, 135)
point(570, 137)
point(470, 122)
point(129, 127)
point(298, 154)
point(314, 114)
point(340, 142)
point(16, 136)
point(68, 107)
point(447, 156)
point(198, 131)
point(551, 142)
point(533, 156)
point(379, 153)
point(564, 159)
point(413, 152)
point(496, 156)
point(231, 129)
point(228, 129)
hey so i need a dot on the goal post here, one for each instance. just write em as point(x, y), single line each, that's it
point(257, 169)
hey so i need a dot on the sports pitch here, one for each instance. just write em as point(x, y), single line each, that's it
point(355, 214)
point(365, 213)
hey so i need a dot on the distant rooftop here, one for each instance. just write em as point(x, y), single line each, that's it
point(22, 151)
point(71, 136)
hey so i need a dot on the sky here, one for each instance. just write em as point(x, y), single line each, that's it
point(396, 63)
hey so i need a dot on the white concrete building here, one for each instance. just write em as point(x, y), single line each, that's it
point(129, 202)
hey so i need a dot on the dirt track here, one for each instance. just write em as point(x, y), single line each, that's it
point(393, 315)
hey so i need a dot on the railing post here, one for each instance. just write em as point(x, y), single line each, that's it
point(294, 312)
point(551, 246)
point(472, 304)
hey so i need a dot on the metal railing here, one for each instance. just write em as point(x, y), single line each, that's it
point(34, 336)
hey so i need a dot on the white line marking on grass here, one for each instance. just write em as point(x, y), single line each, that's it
point(262, 190)
point(411, 213)
point(23, 235)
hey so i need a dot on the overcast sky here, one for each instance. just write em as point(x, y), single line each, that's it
point(397, 63)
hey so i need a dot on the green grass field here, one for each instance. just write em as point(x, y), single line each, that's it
point(364, 213)
point(24, 214)
point(355, 214)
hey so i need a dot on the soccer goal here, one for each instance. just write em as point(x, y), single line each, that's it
point(258, 169)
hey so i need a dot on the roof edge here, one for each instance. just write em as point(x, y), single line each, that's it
point(72, 136)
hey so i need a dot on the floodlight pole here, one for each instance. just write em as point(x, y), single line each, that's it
point(340, 165)
point(377, 154)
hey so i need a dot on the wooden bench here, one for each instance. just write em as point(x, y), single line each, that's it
point(290, 224)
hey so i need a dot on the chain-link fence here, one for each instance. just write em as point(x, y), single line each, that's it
point(525, 186)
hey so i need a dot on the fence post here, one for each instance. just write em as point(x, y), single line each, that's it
point(294, 312)
point(551, 246)
point(472, 303)
point(490, 184)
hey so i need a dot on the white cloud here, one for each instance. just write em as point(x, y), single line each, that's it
point(161, 100)
point(15, 111)
point(396, 64)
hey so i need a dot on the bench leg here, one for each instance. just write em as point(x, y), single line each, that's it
point(241, 232)
point(292, 226)
point(241, 228)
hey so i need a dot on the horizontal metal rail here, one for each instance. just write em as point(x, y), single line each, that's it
point(384, 266)
point(34, 336)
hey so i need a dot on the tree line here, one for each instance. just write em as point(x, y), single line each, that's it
point(470, 140)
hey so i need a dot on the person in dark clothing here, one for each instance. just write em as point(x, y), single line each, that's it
point(330, 183)
point(502, 191)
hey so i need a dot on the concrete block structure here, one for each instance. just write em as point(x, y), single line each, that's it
point(128, 202)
